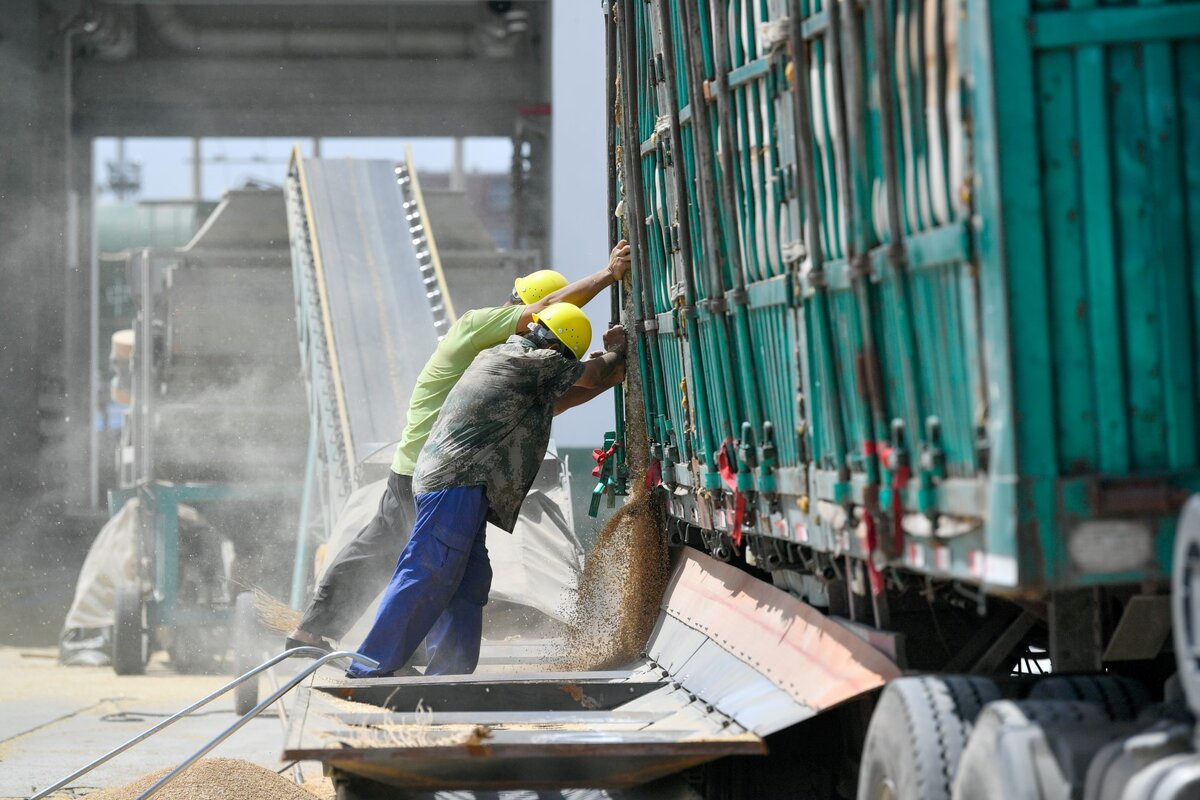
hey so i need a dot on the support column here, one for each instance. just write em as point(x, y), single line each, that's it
point(197, 174)
point(30, 243)
point(458, 180)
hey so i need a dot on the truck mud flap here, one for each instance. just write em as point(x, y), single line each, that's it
point(731, 660)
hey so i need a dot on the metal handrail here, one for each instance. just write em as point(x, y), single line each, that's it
point(297, 651)
point(254, 712)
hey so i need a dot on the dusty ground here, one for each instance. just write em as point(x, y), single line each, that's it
point(54, 719)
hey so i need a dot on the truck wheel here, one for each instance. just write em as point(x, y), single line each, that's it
point(131, 633)
point(917, 735)
point(1121, 698)
point(1009, 755)
point(247, 649)
point(1185, 602)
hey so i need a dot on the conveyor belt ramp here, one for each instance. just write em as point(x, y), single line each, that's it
point(371, 298)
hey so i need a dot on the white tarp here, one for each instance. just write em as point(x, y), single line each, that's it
point(110, 563)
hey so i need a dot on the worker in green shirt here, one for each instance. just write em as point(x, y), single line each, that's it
point(364, 566)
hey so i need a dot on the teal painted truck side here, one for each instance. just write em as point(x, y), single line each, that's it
point(917, 280)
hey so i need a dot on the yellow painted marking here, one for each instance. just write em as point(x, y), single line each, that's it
point(326, 319)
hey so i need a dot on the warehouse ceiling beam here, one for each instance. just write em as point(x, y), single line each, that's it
point(304, 97)
point(496, 37)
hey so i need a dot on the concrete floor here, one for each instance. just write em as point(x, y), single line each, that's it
point(55, 719)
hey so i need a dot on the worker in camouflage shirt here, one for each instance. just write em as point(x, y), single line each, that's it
point(477, 465)
point(363, 567)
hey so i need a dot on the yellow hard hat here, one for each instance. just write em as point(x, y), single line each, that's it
point(568, 324)
point(536, 285)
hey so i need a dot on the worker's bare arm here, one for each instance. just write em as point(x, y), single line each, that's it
point(603, 372)
point(582, 291)
point(606, 369)
point(577, 396)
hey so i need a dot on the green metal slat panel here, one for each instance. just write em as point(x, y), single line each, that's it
point(947, 244)
point(1103, 309)
point(815, 26)
point(749, 72)
point(1142, 330)
point(1096, 26)
point(774, 291)
point(1188, 56)
point(1168, 246)
point(1075, 406)
point(1002, 501)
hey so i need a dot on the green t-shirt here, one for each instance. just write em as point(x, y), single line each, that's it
point(474, 331)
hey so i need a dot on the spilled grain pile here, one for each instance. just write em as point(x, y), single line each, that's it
point(214, 779)
point(621, 589)
point(627, 571)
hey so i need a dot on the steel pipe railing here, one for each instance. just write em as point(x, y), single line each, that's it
point(297, 651)
point(254, 712)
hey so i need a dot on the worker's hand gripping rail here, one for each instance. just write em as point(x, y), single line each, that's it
point(323, 658)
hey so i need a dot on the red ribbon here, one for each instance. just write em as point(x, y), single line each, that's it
point(729, 476)
point(601, 455)
point(654, 474)
point(900, 478)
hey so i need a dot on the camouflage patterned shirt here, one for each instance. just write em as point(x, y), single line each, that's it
point(495, 425)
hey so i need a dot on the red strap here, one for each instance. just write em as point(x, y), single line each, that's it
point(654, 474)
point(900, 478)
point(729, 476)
point(601, 456)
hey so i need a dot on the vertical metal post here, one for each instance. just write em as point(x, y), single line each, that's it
point(634, 208)
point(457, 179)
point(848, 85)
point(896, 255)
point(802, 110)
point(302, 533)
point(682, 205)
point(197, 176)
point(737, 297)
point(144, 351)
point(716, 212)
point(614, 225)
point(95, 405)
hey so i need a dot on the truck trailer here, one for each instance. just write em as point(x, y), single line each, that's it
point(914, 294)
point(912, 389)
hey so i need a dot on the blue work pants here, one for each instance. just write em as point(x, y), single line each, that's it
point(438, 590)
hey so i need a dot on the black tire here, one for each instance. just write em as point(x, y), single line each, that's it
point(1121, 698)
point(247, 650)
point(1009, 756)
point(131, 633)
point(917, 735)
point(1185, 601)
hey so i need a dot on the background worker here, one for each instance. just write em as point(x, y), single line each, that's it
point(362, 568)
point(479, 462)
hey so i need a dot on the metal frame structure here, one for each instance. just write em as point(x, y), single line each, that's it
point(846, 313)
point(335, 465)
point(321, 658)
